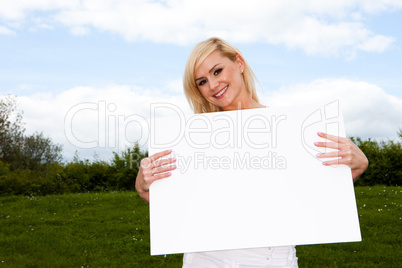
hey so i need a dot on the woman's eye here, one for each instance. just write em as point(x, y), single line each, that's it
point(202, 82)
point(217, 71)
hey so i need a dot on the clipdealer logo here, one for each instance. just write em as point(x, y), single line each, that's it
point(111, 132)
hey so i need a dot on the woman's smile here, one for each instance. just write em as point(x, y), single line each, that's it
point(221, 93)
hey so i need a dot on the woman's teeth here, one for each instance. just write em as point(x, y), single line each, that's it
point(221, 92)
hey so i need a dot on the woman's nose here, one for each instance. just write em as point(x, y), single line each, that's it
point(213, 84)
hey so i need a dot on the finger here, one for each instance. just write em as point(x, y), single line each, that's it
point(333, 155)
point(339, 161)
point(342, 150)
point(163, 169)
point(164, 162)
point(328, 155)
point(156, 156)
point(148, 162)
point(333, 145)
point(331, 162)
point(332, 137)
point(158, 177)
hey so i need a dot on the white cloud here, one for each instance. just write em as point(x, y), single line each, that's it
point(91, 119)
point(317, 27)
point(369, 112)
point(175, 86)
point(39, 23)
point(4, 30)
point(376, 44)
point(19, 9)
point(29, 87)
point(79, 30)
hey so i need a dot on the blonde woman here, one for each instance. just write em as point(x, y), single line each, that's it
point(218, 78)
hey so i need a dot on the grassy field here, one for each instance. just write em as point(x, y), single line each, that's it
point(112, 230)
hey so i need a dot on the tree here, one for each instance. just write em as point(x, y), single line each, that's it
point(32, 152)
point(11, 129)
point(126, 165)
point(36, 151)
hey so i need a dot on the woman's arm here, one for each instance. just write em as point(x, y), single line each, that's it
point(152, 169)
point(348, 154)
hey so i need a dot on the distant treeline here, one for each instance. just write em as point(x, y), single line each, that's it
point(73, 177)
point(32, 164)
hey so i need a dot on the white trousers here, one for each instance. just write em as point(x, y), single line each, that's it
point(273, 257)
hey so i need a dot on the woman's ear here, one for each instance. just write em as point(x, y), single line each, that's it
point(240, 62)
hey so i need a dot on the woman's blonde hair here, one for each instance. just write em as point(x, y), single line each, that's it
point(200, 52)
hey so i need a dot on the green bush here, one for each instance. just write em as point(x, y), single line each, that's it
point(385, 162)
point(73, 177)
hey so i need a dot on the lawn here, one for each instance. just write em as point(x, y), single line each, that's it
point(112, 230)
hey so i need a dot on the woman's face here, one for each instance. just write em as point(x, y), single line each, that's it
point(220, 81)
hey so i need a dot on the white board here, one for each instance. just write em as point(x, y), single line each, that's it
point(248, 179)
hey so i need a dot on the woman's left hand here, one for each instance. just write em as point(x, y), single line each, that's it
point(347, 153)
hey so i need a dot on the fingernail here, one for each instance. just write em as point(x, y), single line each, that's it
point(169, 173)
point(315, 143)
point(174, 158)
point(318, 155)
point(169, 150)
point(324, 163)
point(173, 166)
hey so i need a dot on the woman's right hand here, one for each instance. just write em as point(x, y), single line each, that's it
point(153, 168)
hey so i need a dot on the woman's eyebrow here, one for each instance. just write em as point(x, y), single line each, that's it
point(209, 71)
point(213, 67)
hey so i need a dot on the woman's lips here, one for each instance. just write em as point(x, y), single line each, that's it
point(221, 93)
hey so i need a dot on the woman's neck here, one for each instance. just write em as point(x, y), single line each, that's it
point(243, 105)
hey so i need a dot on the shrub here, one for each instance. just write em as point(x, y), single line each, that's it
point(385, 162)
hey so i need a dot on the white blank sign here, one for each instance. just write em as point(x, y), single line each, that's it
point(250, 178)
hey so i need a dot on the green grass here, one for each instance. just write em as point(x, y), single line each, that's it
point(77, 230)
point(380, 218)
point(112, 230)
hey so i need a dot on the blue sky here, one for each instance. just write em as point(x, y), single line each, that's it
point(55, 55)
